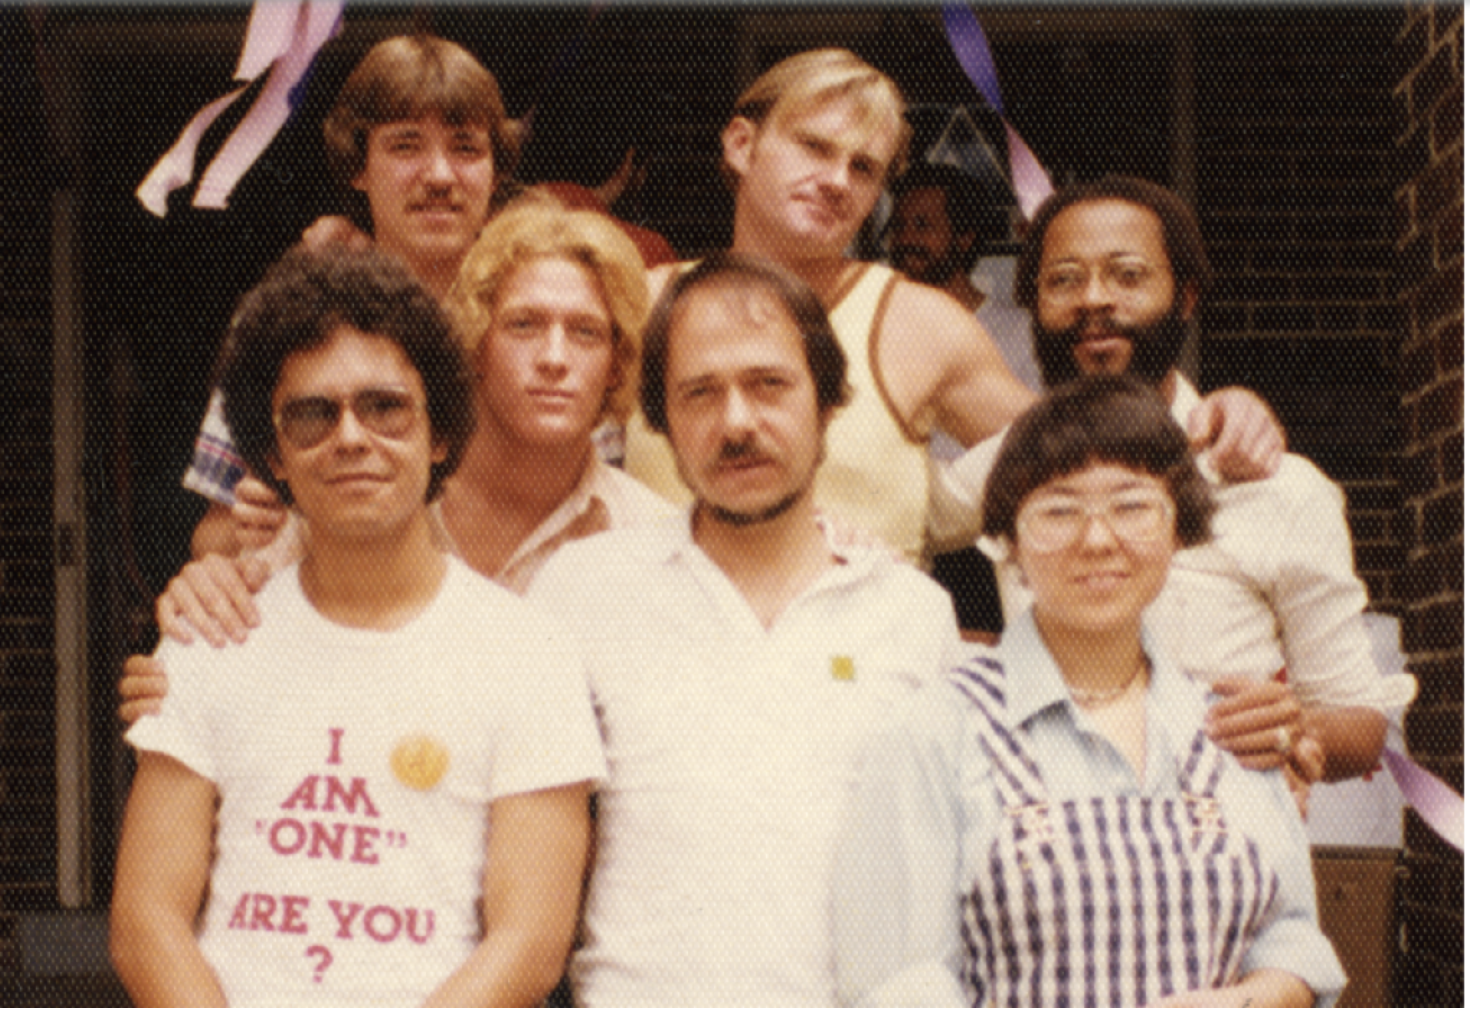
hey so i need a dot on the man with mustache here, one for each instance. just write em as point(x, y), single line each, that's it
point(414, 139)
point(808, 151)
point(737, 657)
point(1270, 610)
point(941, 221)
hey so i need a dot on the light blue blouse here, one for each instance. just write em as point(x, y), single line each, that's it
point(925, 783)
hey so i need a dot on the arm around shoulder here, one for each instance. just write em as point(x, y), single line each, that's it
point(215, 533)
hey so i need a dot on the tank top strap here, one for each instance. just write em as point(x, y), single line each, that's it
point(857, 318)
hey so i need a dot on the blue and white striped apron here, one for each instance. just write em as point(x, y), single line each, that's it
point(1103, 902)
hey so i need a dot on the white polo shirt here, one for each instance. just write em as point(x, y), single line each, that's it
point(730, 749)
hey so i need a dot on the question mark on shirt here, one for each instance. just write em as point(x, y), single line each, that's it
point(325, 962)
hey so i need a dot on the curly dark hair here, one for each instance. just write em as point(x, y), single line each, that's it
point(1116, 420)
point(824, 356)
point(302, 300)
point(1183, 242)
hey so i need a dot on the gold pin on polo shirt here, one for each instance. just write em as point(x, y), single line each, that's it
point(843, 667)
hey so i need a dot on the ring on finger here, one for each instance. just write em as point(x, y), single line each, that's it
point(1283, 740)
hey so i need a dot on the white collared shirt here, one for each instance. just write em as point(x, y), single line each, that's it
point(605, 498)
point(730, 749)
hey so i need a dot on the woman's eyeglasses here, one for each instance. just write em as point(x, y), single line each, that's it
point(1055, 521)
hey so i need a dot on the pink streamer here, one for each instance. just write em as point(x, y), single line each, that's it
point(177, 165)
point(284, 36)
point(1030, 180)
point(1439, 805)
point(272, 23)
point(315, 24)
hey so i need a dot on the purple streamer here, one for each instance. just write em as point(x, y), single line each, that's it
point(1439, 805)
point(1029, 178)
point(967, 39)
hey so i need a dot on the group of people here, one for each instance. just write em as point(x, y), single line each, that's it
point(734, 754)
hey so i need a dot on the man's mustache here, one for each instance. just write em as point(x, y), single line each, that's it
point(740, 450)
point(1099, 322)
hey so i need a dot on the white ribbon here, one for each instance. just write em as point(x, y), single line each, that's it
point(282, 36)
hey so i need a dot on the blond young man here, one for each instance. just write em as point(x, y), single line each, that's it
point(809, 149)
point(550, 305)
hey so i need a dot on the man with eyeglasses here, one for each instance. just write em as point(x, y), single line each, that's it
point(381, 799)
point(1269, 611)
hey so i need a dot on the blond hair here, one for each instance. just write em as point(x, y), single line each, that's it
point(537, 226)
point(805, 80)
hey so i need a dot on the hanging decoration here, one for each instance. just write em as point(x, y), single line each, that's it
point(283, 37)
point(1028, 178)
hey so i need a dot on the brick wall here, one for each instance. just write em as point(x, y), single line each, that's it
point(1329, 179)
point(1294, 136)
point(1429, 242)
point(27, 662)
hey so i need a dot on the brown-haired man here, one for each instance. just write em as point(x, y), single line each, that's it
point(737, 658)
point(414, 140)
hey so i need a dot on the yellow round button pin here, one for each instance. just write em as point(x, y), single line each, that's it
point(419, 761)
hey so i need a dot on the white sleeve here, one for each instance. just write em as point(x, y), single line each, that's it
point(549, 736)
point(180, 729)
point(1319, 603)
point(956, 492)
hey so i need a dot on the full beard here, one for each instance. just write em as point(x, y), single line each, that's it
point(1156, 348)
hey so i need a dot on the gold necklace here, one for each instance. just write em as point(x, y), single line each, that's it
point(1092, 698)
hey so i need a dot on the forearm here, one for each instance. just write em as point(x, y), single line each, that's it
point(162, 875)
point(1272, 987)
point(158, 958)
point(1351, 738)
point(534, 863)
point(1265, 987)
point(508, 969)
